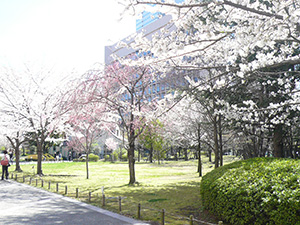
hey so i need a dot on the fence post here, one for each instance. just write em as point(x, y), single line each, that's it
point(49, 184)
point(42, 184)
point(66, 190)
point(23, 179)
point(90, 194)
point(191, 219)
point(16, 177)
point(30, 180)
point(103, 199)
point(56, 187)
point(139, 211)
point(36, 182)
point(120, 204)
point(12, 176)
point(76, 192)
point(163, 217)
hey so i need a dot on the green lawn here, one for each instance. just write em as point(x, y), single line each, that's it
point(173, 186)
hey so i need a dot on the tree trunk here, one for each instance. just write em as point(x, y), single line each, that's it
point(220, 141)
point(131, 162)
point(209, 154)
point(199, 152)
point(16, 147)
point(17, 155)
point(186, 154)
point(151, 154)
point(87, 165)
point(139, 154)
point(278, 141)
point(40, 157)
point(216, 144)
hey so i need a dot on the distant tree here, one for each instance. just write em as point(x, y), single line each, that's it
point(152, 139)
point(187, 124)
point(85, 127)
point(12, 130)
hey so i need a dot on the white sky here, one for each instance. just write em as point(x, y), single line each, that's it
point(66, 34)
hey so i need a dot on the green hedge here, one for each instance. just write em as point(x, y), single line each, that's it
point(92, 158)
point(254, 191)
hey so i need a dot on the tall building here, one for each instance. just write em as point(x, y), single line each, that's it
point(146, 19)
point(148, 30)
point(149, 24)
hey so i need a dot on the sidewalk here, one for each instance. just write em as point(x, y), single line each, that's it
point(24, 204)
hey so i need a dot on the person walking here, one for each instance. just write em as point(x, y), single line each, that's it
point(5, 164)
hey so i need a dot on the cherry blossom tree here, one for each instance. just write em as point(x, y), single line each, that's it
point(12, 130)
point(123, 90)
point(238, 42)
point(111, 144)
point(30, 101)
point(186, 123)
point(86, 126)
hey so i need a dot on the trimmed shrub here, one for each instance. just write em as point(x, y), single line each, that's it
point(93, 157)
point(254, 191)
point(107, 158)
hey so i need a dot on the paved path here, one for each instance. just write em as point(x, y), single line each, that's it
point(24, 204)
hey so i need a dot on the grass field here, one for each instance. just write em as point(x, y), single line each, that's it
point(172, 186)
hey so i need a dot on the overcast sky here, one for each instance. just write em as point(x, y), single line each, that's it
point(68, 34)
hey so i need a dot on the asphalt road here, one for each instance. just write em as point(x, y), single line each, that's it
point(24, 204)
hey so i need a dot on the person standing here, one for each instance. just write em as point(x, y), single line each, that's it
point(5, 164)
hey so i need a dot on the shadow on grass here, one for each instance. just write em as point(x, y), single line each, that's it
point(60, 175)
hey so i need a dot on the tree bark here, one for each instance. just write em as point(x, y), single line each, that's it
point(131, 163)
point(176, 156)
point(17, 155)
point(40, 156)
point(216, 143)
point(278, 141)
point(209, 154)
point(87, 165)
point(220, 141)
point(16, 147)
point(186, 154)
point(199, 152)
point(131, 160)
point(151, 153)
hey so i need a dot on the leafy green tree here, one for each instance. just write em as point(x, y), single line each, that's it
point(152, 139)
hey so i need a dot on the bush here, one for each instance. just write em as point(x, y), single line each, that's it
point(114, 156)
point(93, 157)
point(254, 191)
point(124, 156)
point(107, 158)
